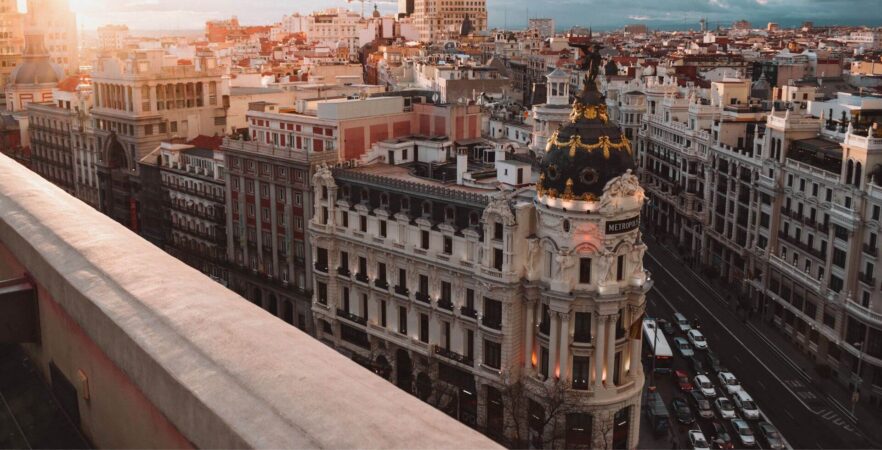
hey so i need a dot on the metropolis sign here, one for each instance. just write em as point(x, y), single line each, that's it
point(622, 226)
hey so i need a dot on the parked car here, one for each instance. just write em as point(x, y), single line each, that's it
point(713, 361)
point(746, 405)
point(696, 438)
point(666, 327)
point(697, 365)
point(697, 339)
point(728, 381)
point(683, 347)
point(703, 383)
point(682, 322)
point(683, 380)
point(721, 436)
point(725, 408)
point(745, 434)
point(682, 411)
point(771, 435)
point(702, 405)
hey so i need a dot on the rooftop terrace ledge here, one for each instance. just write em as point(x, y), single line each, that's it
point(222, 372)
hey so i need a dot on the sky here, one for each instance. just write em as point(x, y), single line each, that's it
point(600, 14)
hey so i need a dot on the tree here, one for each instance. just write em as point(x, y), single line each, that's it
point(551, 395)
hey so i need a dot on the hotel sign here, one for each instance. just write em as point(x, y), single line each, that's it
point(622, 226)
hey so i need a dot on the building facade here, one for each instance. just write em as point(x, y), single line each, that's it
point(437, 19)
point(511, 309)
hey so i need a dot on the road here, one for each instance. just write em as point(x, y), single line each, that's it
point(782, 391)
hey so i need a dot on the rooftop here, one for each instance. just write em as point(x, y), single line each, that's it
point(164, 350)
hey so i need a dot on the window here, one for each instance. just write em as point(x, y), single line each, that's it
point(424, 328)
point(424, 285)
point(875, 212)
point(382, 228)
point(470, 344)
point(839, 257)
point(362, 266)
point(344, 215)
point(543, 362)
point(364, 306)
point(381, 272)
point(470, 299)
point(582, 328)
point(580, 372)
point(322, 293)
point(492, 313)
point(497, 259)
point(446, 291)
point(362, 223)
point(497, 231)
point(585, 270)
point(383, 313)
point(448, 245)
point(620, 267)
point(346, 305)
point(492, 354)
point(424, 239)
point(402, 320)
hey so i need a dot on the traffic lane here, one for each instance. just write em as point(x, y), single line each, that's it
point(800, 426)
point(669, 389)
point(773, 371)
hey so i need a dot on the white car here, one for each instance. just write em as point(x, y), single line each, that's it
point(725, 408)
point(697, 339)
point(703, 383)
point(729, 383)
point(696, 438)
point(682, 322)
point(745, 434)
point(746, 405)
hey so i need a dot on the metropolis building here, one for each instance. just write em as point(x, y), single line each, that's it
point(510, 302)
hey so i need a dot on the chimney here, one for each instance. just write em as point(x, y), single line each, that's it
point(462, 163)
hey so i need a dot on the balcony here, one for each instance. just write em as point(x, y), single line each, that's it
point(453, 356)
point(344, 271)
point(402, 291)
point(423, 297)
point(351, 317)
point(872, 251)
point(468, 312)
point(382, 284)
point(321, 266)
point(445, 303)
point(147, 325)
point(362, 277)
point(867, 279)
point(492, 322)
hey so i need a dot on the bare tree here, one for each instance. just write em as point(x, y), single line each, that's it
point(551, 396)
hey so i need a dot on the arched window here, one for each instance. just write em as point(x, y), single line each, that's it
point(849, 171)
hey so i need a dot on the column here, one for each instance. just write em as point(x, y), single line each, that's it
point(610, 350)
point(529, 333)
point(552, 344)
point(564, 345)
point(599, 347)
point(634, 370)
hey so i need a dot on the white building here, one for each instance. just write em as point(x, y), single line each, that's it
point(112, 37)
point(469, 294)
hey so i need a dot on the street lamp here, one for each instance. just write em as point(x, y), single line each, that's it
point(856, 394)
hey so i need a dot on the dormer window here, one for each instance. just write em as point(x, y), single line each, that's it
point(427, 208)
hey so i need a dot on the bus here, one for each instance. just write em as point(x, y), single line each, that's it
point(657, 347)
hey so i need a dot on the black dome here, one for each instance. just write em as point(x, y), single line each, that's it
point(584, 154)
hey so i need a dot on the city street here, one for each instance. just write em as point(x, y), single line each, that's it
point(805, 417)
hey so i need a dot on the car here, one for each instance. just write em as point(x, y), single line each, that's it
point(771, 435)
point(697, 339)
point(721, 436)
point(697, 365)
point(746, 405)
point(703, 383)
point(728, 381)
point(666, 327)
point(683, 380)
point(682, 411)
point(696, 438)
point(702, 405)
point(683, 347)
point(713, 361)
point(725, 408)
point(745, 434)
point(682, 322)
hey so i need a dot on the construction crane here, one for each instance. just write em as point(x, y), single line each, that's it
point(362, 5)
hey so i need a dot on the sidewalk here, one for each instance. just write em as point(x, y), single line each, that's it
point(868, 418)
